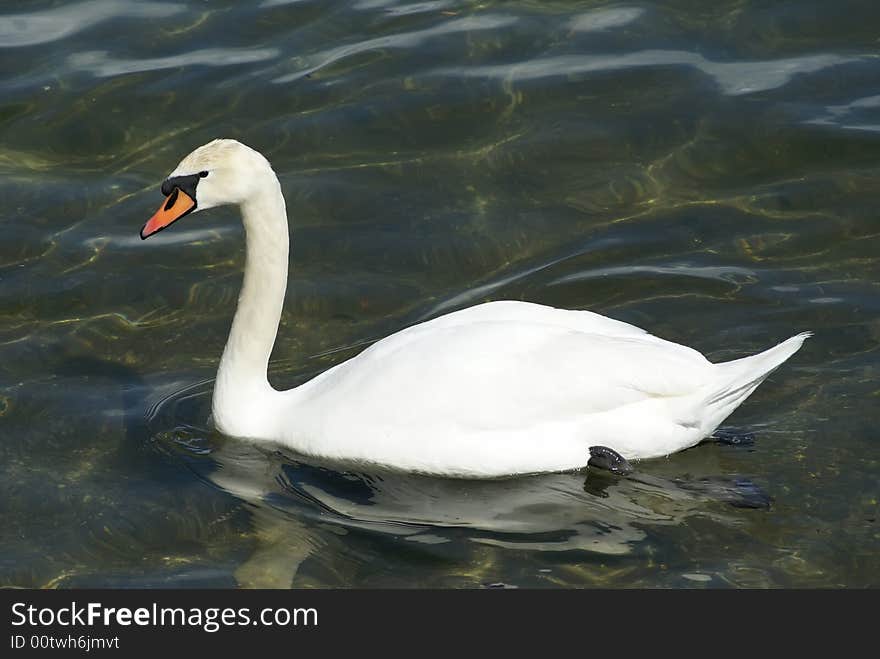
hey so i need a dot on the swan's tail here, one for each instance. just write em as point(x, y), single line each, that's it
point(740, 377)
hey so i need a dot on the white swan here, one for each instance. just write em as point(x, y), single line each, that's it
point(498, 389)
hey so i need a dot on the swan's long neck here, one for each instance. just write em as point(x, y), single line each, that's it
point(242, 390)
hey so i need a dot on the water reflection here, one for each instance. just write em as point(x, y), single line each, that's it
point(394, 8)
point(605, 19)
point(104, 64)
point(39, 27)
point(731, 274)
point(847, 116)
point(413, 39)
point(734, 78)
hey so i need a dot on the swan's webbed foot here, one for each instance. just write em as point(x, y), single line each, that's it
point(733, 437)
point(602, 457)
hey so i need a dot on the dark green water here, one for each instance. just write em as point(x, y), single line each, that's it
point(708, 171)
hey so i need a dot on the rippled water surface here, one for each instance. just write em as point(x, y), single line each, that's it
point(708, 171)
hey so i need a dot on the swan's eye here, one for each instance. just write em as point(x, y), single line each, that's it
point(203, 174)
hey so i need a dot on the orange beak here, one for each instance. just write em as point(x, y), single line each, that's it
point(176, 205)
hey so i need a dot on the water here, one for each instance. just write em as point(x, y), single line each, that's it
point(707, 171)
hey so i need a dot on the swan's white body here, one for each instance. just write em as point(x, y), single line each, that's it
point(497, 389)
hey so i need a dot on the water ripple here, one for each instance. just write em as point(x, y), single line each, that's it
point(104, 64)
point(34, 28)
point(846, 115)
point(605, 19)
point(278, 3)
point(411, 39)
point(731, 274)
point(734, 78)
point(407, 9)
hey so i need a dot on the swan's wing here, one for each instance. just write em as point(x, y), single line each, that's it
point(503, 373)
point(513, 311)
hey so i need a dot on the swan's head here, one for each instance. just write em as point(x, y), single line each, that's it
point(220, 172)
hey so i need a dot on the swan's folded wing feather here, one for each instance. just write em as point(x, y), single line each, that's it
point(496, 374)
point(514, 311)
